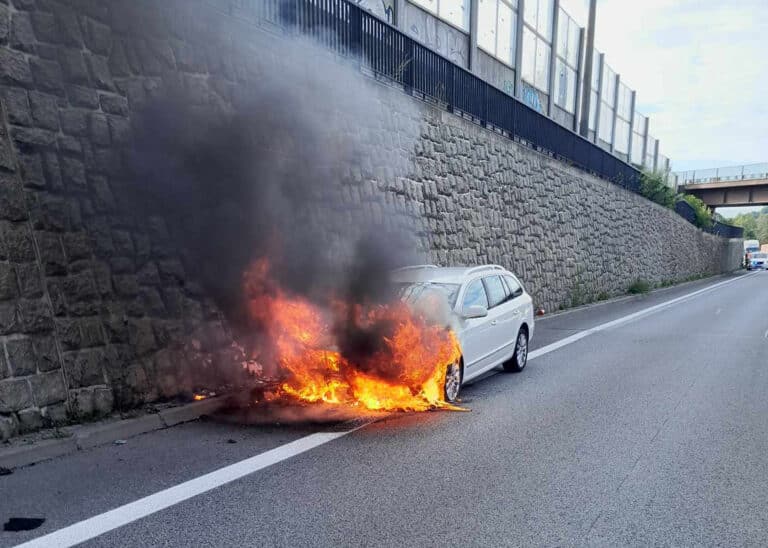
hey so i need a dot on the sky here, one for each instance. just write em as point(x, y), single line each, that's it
point(699, 70)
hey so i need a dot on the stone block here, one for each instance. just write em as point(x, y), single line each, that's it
point(51, 253)
point(118, 61)
point(98, 68)
point(30, 284)
point(47, 75)
point(5, 23)
point(50, 212)
point(101, 196)
point(74, 122)
point(46, 352)
point(45, 27)
point(120, 130)
point(73, 66)
point(30, 137)
point(32, 170)
point(68, 332)
point(9, 424)
point(148, 275)
point(73, 173)
point(98, 36)
point(14, 68)
point(18, 240)
point(14, 395)
point(81, 96)
point(12, 203)
point(22, 35)
point(141, 336)
point(114, 104)
point(8, 318)
point(69, 28)
point(93, 333)
point(45, 111)
point(99, 129)
point(103, 401)
point(125, 285)
point(70, 145)
point(30, 420)
point(56, 414)
point(76, 246)
point(84, 368)
point(9, 288)
point(21, 357)
point(52, 170)
point(17, 106)
point(80, 287)
point(171, 271)
point(35, 316)
point(48, 388)
point(81, 402)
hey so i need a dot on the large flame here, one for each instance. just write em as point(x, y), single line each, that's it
point(401, 366)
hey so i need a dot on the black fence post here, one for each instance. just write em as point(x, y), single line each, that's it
point(410, 60)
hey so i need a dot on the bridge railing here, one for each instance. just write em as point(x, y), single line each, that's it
point(390, 54)
point(723, 174)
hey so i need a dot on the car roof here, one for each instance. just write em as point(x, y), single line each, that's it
point(437, 274)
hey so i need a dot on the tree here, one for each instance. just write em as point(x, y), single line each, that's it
point(761, 232)
point(654, 187)
point(749, 223)
point(702, 211)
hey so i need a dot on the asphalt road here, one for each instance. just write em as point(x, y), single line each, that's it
point(652, 432)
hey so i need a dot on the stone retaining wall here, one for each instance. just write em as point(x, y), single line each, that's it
point(98, 309)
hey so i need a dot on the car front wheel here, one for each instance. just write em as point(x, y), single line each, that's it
point(519, 359)
point(452, 382)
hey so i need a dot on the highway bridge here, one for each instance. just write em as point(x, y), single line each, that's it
point(727, 186)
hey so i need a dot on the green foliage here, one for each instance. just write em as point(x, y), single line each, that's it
point(755, 224)
point(654, 187)
point(702, 211)
point(639, 286)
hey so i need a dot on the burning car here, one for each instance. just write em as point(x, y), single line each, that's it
point(486, 307)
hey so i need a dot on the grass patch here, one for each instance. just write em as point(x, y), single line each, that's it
point(639, 286)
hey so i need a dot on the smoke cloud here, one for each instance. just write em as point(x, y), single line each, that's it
point(264, 176)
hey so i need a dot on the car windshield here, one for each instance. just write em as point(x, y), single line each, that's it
point(413, 293)
point(760, 256)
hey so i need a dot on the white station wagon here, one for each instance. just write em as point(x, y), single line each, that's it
point(491, 314)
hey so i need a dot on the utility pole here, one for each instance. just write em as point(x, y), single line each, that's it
point(586, 94)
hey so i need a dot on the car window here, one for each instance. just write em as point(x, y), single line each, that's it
point(496, 292)
point(475, 295)
point(515, 289)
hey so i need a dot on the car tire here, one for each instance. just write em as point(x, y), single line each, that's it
point(519, 359)
point(453, 376)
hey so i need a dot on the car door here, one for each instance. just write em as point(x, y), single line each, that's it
point(504, 318)
point(475, 332)
point(519, 303)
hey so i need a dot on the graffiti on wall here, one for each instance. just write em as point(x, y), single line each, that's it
point(437, 35)
point(383, 8)
point(532, 97)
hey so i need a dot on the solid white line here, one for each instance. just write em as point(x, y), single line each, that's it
point(123, 515)
point(625, 319)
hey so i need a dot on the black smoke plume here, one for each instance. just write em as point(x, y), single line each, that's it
point(262, 176)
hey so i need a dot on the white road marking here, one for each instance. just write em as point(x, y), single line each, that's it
point(766, 335)
point(128, 513)
point(123, 515)
point(625, 319)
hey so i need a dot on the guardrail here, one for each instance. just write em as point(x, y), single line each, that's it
point(390, 54)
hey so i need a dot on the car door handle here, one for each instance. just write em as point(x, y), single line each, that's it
point(494, 322)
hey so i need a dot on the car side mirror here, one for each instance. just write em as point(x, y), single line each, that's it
point(475, 311)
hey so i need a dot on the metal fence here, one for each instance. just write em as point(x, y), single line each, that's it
point(724, 174)
point(388, 53)
point(686, 211)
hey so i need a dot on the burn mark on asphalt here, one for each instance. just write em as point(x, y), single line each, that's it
point(22, 524)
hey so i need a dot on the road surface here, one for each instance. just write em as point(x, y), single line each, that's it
point(652, 430)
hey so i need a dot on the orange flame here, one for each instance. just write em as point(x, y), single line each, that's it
point(199, 397)
point(404, 370)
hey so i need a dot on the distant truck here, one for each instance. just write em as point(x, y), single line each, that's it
point(764, 248)
point(750, 246)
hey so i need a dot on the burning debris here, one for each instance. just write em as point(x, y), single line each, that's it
point(375, 357)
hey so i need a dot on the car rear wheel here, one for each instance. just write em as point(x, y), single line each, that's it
point(452, 382)
point(519, 359)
